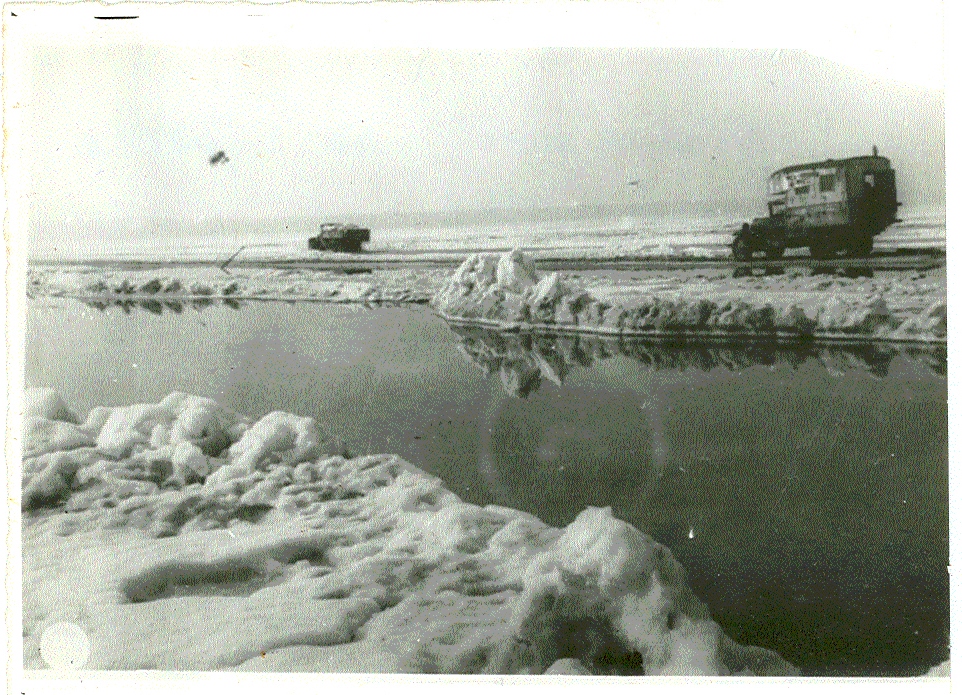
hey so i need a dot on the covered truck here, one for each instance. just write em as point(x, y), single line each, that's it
point(833, 207)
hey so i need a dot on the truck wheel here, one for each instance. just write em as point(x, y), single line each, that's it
point(775, 252)
point(862, 247)
point(740, 250)
point(822, 249)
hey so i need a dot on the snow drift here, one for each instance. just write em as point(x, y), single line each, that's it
point(506, 292)
point(180, 535)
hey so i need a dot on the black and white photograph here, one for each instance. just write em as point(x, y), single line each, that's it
point(555, 340)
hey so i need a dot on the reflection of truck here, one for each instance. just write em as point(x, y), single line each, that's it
point(335, 236)
point(832, 207)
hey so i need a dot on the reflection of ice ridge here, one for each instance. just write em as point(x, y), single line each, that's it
point(525, 360)
point(158, 306)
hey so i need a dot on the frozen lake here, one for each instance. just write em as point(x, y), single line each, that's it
point(804, 489)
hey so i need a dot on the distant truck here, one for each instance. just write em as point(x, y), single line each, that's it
point(833, 207)
point(334, 236)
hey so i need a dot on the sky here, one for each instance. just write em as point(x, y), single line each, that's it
point(323, 114)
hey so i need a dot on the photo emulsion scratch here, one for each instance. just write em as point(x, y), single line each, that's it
point(394, 355)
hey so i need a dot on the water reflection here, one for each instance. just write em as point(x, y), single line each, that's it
point(810, 512)
point(158, 306)
point(807, 502)
point(176, 306)
point(525, 361)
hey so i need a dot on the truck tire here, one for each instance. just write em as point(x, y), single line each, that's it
point(861, 247)
point(775, 252)
point(822, 249)
point(740, 249)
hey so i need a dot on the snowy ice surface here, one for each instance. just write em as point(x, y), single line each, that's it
point(584, 235)
point(155, 289)
point(180, 535)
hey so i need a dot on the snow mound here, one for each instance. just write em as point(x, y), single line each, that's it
point(300, 559)
point(178, 418)
point(933, 321)
point(505, 292)
point(46, 403)
point(515, 272)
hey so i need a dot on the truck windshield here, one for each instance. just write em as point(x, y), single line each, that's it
point(777, 184)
